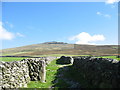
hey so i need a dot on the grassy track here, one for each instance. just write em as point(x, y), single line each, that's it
point(50, 77)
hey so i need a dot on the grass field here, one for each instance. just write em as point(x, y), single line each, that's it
point(10, 59)
point(57, 55)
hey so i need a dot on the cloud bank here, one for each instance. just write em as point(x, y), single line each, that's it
point(111, 1)
point(86, 38)
point(6, 35)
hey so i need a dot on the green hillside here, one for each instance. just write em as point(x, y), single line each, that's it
point(61, 48)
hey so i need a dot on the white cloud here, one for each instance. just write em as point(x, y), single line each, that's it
point(111, 1)
point(19, 34)
point(4, 34)
point(86, 38)
point(107, 15)
point(98, 13)
point(104, 15)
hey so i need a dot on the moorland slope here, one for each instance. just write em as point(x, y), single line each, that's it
point(48, 48)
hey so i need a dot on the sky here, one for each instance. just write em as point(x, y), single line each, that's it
point(26, 23)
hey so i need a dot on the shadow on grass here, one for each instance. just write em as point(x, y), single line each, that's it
point(64, 78)
point(69, 77)
point(58, 76)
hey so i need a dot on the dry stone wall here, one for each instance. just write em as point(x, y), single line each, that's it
point(37, 69)
point(98, 72)
point(14, 74)
point(18, 73)
point(49, 59)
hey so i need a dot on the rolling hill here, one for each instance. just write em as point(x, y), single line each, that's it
point(61, 48)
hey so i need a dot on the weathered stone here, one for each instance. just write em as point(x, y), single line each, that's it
point(42, 73)
point(18, 73)
point(65, 60)
point(99, 72)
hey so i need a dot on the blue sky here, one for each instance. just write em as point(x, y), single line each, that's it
point(73, 22)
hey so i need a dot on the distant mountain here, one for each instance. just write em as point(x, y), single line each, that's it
point(54, 47)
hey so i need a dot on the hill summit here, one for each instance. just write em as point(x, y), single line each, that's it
point(54, 42)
